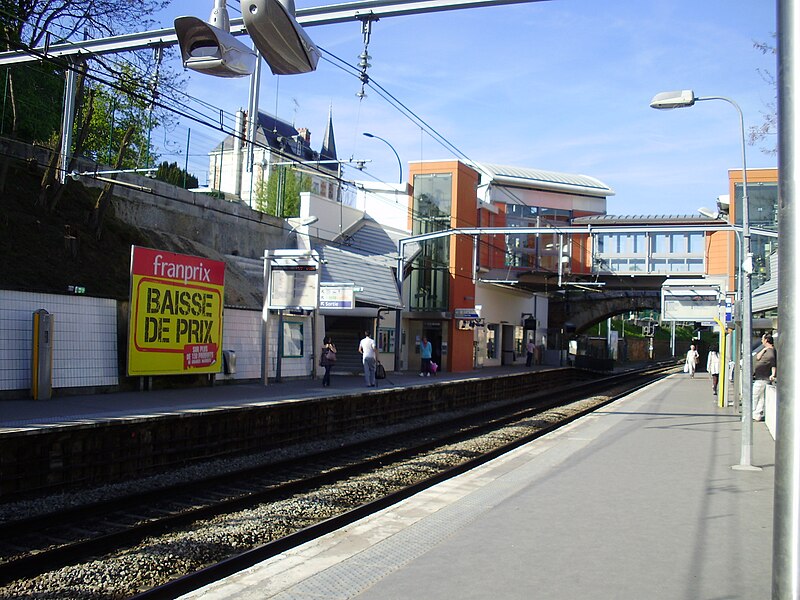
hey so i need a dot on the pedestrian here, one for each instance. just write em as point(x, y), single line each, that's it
point(530, 347)
point(369, 357)
point(326, 359)
point(692, 357)
point(764, 372)
point(426, 352)
point(712, 366)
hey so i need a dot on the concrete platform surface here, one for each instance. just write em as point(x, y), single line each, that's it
point(636, 501)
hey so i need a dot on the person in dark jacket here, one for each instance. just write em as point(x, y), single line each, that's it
point(327, 359)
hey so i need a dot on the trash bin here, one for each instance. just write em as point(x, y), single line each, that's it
point(229, 362)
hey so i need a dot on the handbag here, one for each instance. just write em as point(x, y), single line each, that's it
point(380, 372)
point(330, 356)
point(685, 367)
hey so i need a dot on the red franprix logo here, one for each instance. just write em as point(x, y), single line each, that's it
point(178, 267)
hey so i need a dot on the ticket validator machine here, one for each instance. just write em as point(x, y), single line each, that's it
point(42, 355)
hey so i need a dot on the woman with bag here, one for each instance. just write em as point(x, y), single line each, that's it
point(326, 359)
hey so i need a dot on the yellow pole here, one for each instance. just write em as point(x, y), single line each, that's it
point(722, 363)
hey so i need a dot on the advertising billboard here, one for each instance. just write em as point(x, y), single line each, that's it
point(175, 323)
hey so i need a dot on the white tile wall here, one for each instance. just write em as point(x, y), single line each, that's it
point(84, 339)
point(241, 332)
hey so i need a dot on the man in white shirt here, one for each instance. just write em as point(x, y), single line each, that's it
point(369, 357)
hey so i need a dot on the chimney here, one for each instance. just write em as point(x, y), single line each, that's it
point(305, 135)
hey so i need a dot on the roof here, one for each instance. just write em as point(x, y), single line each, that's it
point(283, 137)
point(373, 239)
point(544, 180)
point(376, 279)
point(643, 220)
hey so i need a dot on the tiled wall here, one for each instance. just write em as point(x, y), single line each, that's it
point(242, 334)
point(84, 339)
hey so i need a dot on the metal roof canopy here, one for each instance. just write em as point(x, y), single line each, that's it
point(368, 10)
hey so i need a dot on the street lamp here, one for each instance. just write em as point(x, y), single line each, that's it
point(682, 99)
point(399, 163)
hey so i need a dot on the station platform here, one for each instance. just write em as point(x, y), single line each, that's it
point(62, 410)
point(637, 500)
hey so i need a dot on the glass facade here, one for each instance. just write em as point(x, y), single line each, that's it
point(430, 277)
point(640, 253)
point(763, 200)
point(539, 252)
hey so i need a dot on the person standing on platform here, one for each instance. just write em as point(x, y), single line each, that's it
point(764, 372)
point(712, 366)
point(530, 347)
point(369, 357)
point(425, 352)
point(692, 357)
point(326, 359)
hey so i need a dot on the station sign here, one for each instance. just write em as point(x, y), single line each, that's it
point(337, 296)
point(175, 321)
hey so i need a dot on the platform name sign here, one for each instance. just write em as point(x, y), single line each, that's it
point(175, 325)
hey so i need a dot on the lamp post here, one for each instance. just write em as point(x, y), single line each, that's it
point(682, 99)
point(399, 163)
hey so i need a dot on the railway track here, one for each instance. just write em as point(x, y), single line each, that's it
point(41, 544)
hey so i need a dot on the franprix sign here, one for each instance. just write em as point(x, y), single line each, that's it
point(175, 324)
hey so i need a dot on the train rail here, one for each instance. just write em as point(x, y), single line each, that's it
point(36, 545)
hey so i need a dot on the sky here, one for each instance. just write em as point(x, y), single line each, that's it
point(559, 85)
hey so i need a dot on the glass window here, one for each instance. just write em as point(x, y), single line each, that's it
point(430, 275)
point(292, 340)
point(385, 340)
point(491, 340)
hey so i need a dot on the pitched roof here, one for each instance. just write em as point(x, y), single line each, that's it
point(544, 180)
point(643, 220)
point(375, 278)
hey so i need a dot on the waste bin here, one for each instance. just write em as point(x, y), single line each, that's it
point(229, 362)
point(42, 355)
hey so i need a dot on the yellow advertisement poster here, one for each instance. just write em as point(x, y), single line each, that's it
point(175, 325)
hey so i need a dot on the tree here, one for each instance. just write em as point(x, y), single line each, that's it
point(290, 184)
point(766, 132)
point(172, 173)
point(30, 23)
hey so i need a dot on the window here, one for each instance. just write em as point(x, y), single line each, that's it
point(292, 340)
point(386, 340)
point(491, 340)
point(431, 276)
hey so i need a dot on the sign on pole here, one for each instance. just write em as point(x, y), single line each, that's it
point(175, 322)
point(292, 280)
point(690, 301)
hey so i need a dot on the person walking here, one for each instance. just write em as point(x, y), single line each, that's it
point(425, 352)
point(764, 373)
point(326, 359)
point(712, 366)
point(369, 357)
point(692, 357)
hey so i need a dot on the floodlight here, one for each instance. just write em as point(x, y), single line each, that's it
point(210, 48)
point(279, 38)
point(708, 212)
point(679, 99)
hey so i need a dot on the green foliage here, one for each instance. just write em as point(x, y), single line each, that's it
point(38, 89)
point(113, 112)
point(286, 202)
point(172, 173)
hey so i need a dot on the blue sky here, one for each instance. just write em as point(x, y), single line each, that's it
point(562, 85)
